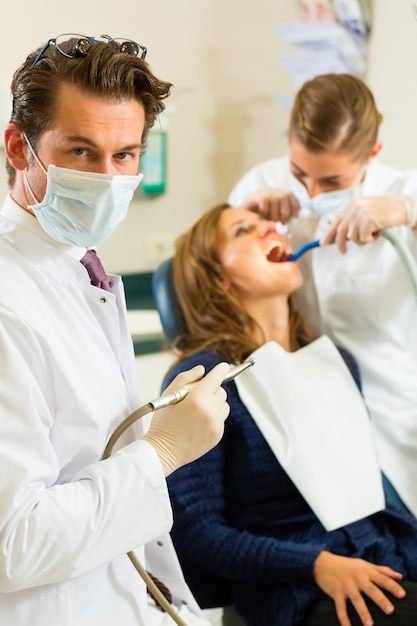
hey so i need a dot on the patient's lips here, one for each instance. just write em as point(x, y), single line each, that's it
point(275, 253)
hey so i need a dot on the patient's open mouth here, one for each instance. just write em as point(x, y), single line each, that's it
point(275, 253)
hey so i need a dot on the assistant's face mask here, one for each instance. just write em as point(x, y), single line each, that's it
point(325, 202)
point(82, 208)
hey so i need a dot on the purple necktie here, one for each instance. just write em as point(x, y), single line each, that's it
point(95, 270)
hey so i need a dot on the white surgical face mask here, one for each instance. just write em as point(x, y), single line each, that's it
point(325, 202)
point(82, 208)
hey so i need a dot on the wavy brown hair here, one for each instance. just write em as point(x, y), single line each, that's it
point(213, 316)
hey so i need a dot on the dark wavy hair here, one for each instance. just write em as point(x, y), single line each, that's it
point(213, 316)
point(104, 72)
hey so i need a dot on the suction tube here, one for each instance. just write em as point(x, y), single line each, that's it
point(403, 252)
point(308, 246)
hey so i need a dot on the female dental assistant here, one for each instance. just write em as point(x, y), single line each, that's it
point(332, 186)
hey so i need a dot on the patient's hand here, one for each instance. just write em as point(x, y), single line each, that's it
point(343, 578)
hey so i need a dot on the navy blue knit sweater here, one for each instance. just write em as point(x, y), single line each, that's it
point(244, 534)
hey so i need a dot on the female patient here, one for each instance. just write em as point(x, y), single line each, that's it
point(238, 518)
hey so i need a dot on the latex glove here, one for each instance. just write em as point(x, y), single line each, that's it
point(363, 218)
point(273, 204)
point(185, 431)
point(343, 578)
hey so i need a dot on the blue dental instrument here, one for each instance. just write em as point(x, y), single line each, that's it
point(308, 246)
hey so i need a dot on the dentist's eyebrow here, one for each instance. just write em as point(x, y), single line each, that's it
point(90, 142)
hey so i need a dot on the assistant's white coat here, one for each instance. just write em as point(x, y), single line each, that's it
point(365, 302)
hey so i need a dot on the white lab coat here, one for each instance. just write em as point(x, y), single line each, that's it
point(67, 379)
point(364, 301)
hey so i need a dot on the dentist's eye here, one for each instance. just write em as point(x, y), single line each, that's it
point(123, 156)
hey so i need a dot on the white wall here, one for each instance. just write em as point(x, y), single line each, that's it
point(223, 60)
point(393, 79)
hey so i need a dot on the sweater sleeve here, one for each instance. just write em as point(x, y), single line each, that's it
point(206, 541)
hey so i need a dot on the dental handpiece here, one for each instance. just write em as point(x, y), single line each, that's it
point(308, 246)
point(173, 397)
point(178, 394)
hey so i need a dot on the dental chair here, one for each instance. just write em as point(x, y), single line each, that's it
point(215, 593)
point(166, 303)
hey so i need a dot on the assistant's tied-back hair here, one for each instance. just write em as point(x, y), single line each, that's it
point(336, 113)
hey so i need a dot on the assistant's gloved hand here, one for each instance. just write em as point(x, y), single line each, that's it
point(364, 217)
point(273, 204)
point(185, 431)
